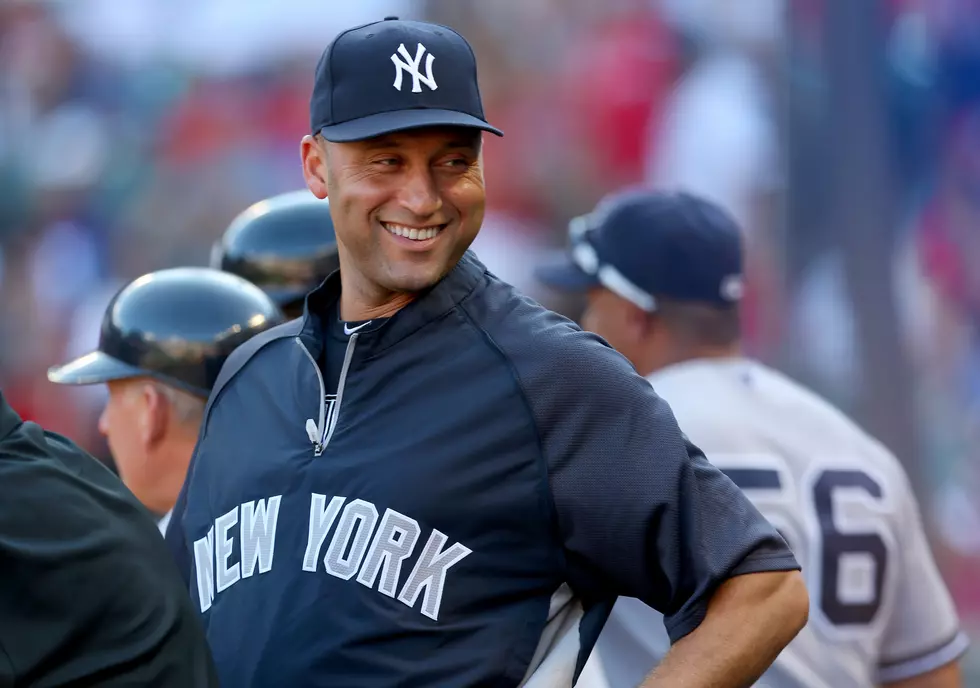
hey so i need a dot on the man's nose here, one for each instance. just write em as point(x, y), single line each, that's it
point(420, 194)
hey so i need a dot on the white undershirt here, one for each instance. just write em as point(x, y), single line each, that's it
point(162, 523)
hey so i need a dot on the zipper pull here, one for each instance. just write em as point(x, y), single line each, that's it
point(314, 434)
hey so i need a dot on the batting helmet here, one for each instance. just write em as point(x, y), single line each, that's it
point(284, 244)
point(177, 326)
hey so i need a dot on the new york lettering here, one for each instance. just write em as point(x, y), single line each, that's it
point(367, 546)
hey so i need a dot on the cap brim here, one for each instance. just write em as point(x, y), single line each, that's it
point(92, 369)
point(402, 120)
point(564, 275)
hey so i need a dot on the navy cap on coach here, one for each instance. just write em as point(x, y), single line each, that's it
point(394, 75)
point(641, 244)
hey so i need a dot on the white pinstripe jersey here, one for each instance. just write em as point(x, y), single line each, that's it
point(880, 611)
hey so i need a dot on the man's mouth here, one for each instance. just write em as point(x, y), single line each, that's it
point(414, 233)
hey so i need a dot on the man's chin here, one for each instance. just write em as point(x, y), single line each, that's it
point(414, 272)
point(416, 279)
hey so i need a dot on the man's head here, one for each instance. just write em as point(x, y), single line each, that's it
point(662, 274)
point(150, 427)
point(163, 341)
point(285, 245)
point(395, 143)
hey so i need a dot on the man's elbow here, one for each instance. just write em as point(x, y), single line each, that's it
point(777, 601)
point(792, 598)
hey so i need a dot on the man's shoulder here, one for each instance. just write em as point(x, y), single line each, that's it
point(55, 468)
point(746, 403)
point(540, 343)
point(755, 390)
point(826, 422)
point(249, 350)
point(71, 494)
point(78, 539)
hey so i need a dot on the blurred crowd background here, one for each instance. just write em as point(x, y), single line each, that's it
point(843, 134)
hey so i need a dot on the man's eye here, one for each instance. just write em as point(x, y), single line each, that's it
point(387, 161)
point(456, 162)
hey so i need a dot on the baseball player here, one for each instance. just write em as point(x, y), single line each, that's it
point(284, 244)
point(429, 480)
point(663, 273)
point(89, 594)
point(164, 338)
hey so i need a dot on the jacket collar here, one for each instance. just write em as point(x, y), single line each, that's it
point(9, 420)
point(430, 305)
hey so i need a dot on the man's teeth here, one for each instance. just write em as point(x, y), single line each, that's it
point(412, 232)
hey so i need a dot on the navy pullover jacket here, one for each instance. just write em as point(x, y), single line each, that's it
point(462, 510)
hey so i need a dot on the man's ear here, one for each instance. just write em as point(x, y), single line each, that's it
point(314, 166)
point(641, 322)
point(154, 415)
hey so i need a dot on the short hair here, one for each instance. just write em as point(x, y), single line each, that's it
point(188, 408)
point(701, 324)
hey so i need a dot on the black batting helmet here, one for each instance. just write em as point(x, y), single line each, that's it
point(177, 326)
point(285, 244)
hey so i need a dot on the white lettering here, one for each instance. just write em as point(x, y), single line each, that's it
point(372, 548)
point(204, 563)
point(359, 517)
point(393, 543)
point(258, 544)
point(430, 574)
point(226, 576)
point(411, 65)
point(322, 516)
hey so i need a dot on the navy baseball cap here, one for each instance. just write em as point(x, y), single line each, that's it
point(394, 75)
point(643, 244)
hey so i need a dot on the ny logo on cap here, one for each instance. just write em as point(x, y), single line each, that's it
point(732, 288)
point(412, 67)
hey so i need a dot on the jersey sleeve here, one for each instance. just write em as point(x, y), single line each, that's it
point(641, 512)
point(923, 631)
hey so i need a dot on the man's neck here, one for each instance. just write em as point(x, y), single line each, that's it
point(171, 465)
point(701, 353)
point(358, 303)
point(353, 309)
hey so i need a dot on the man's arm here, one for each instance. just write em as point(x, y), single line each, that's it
point(750, 619)
point(640, 511)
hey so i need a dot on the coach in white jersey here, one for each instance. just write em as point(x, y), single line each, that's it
point(663, 274)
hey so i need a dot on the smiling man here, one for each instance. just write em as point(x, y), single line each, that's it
point(429, 480)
